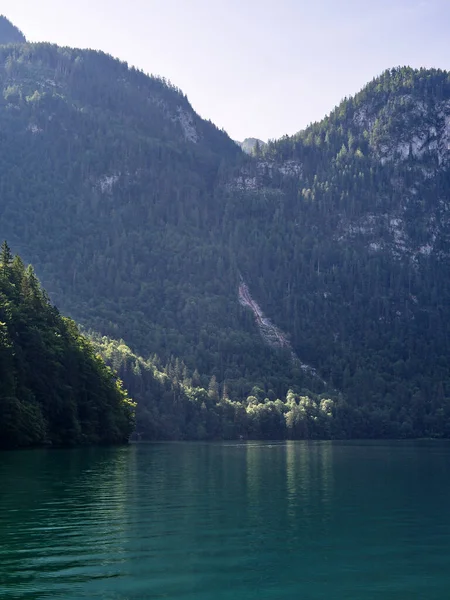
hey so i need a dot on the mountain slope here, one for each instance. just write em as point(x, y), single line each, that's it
point(146, 223)
point(111, 188)
point(9, 34)
point(53, 388)
point(364, 228)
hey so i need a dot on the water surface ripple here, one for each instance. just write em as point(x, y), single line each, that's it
point(250, 520)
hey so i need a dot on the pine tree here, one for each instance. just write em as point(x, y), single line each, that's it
point(213, 388)
point(5, 259)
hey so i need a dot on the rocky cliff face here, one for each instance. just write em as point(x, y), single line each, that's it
point(397, 131)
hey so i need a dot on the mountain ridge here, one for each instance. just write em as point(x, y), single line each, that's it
point(141, 219)
point(9, 33)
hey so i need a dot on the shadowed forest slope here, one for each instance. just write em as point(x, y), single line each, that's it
point(142, 221)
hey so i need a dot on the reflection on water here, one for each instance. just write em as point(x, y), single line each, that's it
point(227, 521)
point(309, 478)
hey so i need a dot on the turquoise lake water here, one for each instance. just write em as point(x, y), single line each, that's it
point(241, 521)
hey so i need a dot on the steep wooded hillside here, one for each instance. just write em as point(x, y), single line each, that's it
point(9, 34)
point(54, 389)
point(109, 187)
point(353, 227)
point(319, 262)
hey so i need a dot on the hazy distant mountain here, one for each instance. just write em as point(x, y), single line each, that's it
point(249, 145)
point(9, 34)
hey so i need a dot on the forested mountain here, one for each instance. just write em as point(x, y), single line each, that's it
point(318, 264)
point(112, 186)
point(54, 389)
point(9, 34)
point(365, 230)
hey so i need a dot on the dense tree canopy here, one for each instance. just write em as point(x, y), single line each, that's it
point(54, 389)
point(142, 219)
point(174, 404)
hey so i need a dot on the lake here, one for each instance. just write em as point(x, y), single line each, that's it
point(222, 521)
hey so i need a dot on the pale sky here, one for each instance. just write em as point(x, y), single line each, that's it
point(257, 68)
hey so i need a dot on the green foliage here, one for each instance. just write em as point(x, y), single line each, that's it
point(140, 218)
point(171, 405)
point(365, 226)
point(54, 389)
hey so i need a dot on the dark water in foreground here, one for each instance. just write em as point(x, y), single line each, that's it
point(294, 520)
